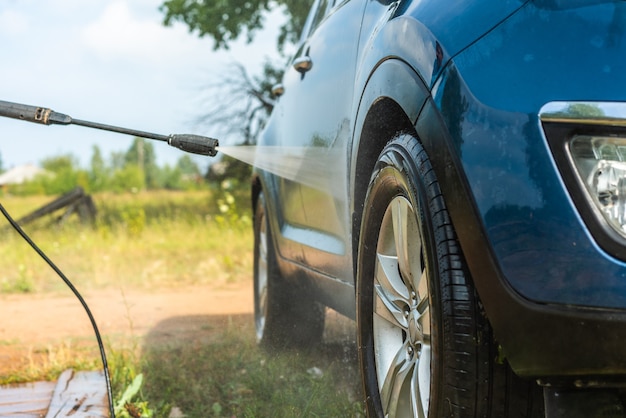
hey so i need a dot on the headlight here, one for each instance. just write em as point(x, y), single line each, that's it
point(588, 142)
point(601, 165)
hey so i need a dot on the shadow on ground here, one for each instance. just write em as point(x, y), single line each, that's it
point(208, 366)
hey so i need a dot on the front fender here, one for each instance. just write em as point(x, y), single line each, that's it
point(391, 101)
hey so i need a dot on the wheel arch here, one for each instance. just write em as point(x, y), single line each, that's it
point(390, 103)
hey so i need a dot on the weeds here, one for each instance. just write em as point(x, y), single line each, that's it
point(230, 214)
point(126, 383)
point(23, 282)
point(232, 377)
point(49, 361)
point(125, 408)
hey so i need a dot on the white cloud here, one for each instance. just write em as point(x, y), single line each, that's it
point(119, 34)
point(13, 23)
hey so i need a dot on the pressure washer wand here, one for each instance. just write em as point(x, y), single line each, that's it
point(195, 144)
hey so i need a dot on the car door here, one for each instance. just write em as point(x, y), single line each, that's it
point(312, 119)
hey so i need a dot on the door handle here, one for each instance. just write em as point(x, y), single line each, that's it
point(278, 90)
point(303, 64)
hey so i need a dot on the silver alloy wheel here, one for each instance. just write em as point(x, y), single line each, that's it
point(261, 279)
point(401, 322)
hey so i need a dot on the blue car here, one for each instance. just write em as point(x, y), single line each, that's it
point(454, 179)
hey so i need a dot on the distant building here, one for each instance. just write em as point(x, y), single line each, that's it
point(20, 174)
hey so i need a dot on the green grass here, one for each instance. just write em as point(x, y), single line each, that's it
point(232, 377)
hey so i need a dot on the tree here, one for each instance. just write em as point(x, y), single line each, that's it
point(118, 160)
point(66, 174)
point(243, 102)
point(141, 154)
point(99, 175)
point(129, 178)
point(185, 175)
point(57, 164)
point(227, 20)
point(187, 166)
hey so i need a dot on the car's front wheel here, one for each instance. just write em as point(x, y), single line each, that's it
point(425, 349)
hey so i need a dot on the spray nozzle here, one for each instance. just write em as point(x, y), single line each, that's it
point(195, 144)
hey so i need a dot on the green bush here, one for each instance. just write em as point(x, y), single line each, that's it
point(134, 220)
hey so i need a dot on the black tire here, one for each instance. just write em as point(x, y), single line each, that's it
point(421, 331)
point(285, 315)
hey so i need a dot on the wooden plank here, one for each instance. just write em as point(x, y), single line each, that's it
point(29, 400)
point(79, 394)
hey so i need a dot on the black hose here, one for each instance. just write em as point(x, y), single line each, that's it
point(80, 298)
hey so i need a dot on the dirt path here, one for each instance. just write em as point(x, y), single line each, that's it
point(31, 324)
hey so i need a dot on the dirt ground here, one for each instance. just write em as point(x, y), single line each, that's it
point(40, 328)
point(37, 325)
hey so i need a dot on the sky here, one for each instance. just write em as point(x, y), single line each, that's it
point(108, 61)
